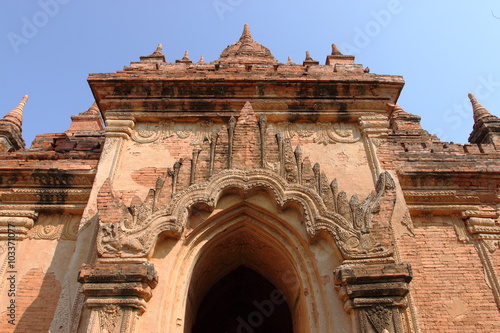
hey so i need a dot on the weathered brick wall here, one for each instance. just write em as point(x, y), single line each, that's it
point(449, 287)
point(36, 301)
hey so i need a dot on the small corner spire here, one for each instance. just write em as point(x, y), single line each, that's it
point(156, 56)
point(479, 111)
point(335, 50)
point(159, 50)
point(16, 115)
point(290, 61)
point(309, 60)
point(202, 60)
point(185, 59)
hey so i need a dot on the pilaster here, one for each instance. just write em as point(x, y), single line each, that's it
point(375, 294)
point(486, 237)
point(116, 292)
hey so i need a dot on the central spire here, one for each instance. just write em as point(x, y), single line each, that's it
point(246, 36)
point(247, 51)
point(246, 39)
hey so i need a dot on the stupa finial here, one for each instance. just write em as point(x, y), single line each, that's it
point(479, 111)
point(335, 50)
point(246, 36)
point(16, 115)
point(159, 50)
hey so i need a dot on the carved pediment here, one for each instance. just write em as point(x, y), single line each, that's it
point(349, 222)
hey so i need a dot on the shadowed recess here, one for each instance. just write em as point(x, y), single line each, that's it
point(243, 301)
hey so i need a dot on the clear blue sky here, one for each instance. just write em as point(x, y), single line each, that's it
point(444, 49)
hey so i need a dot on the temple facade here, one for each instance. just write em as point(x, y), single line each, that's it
point(248, 195)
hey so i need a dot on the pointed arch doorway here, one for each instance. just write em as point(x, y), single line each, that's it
point(243, 301)
point(252, 274)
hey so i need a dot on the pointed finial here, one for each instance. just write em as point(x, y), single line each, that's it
point(309, 60)
point(308, 56)
point(185, 59)
point(289, 62)
point(246, 36)
point(335, 50)
point(16, 115)
point(155, 57)
point(479, 111)
point(202, 60)
point(159, 50)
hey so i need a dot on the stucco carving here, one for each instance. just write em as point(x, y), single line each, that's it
point(349, 224)
point(65, 227)
point(109, 316)
point(321, 133)
point(201, 132)
point(380, 318)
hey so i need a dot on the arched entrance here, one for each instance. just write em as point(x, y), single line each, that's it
point(243, 301)
point(252, 273)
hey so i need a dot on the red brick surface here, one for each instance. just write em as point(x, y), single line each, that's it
point(448, 285)
point(36, 301)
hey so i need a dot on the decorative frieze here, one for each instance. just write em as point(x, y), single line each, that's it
point(349, 223)
point(45, 178)
point(64, 227)
point(321, 133)
point(47, 196)
point(199, 133)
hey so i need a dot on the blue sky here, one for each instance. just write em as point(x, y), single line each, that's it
point(444, 49)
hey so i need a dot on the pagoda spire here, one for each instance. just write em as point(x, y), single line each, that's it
point(479, 111)
point(247, 51)
point(246, 36)
point(16, 115)
point(486, 127)
point(11, 138)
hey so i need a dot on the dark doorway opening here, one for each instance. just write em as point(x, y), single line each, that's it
point(243, 302)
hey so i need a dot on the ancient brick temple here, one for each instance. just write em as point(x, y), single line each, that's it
point(249, 195)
